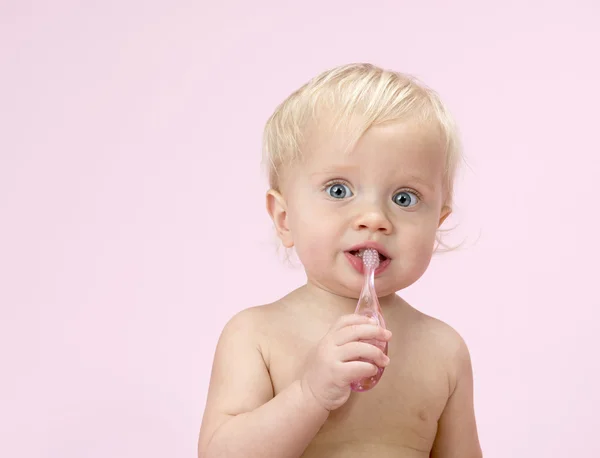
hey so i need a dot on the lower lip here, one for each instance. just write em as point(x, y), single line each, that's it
point(357, 263)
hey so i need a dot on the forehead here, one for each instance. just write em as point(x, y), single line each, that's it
point(391, 149)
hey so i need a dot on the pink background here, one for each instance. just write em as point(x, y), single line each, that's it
point(133, 224)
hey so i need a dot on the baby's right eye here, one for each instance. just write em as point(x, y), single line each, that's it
point(338, 191)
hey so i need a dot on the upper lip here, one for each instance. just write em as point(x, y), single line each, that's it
point(374, 245)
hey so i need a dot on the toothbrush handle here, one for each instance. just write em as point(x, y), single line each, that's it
point(368, 305)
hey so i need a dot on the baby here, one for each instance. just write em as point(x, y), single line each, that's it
point(359, 157)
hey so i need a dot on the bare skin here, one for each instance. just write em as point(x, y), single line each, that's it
point(398, 418)
point(280, 384)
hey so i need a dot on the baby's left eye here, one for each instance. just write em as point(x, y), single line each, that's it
point(405, 199)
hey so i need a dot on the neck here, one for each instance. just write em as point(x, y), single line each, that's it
point(330, 305)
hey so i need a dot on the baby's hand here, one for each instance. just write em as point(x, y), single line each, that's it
point(334, 363)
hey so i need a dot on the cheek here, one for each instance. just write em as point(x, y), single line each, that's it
point(416, 252)
point(417, 243)
point(315, 239)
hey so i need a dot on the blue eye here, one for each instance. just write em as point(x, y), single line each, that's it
point(338, 191)
point(405, 199)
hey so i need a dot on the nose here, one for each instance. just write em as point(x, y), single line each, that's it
point(373, 220)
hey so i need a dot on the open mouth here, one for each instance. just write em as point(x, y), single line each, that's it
point(359, 253)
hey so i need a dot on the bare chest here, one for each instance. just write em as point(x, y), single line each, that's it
point(398, 417)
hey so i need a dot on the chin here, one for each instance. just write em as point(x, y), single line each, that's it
point(395, 282)
point(344, 290)
point(336, 286)
point(348, 284)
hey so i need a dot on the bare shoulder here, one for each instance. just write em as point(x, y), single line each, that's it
point(456, 435)
point(446, 338)
point(253, 328)
point(247, 323)
point(258, 320)
point(240, 380)
point(444, 342)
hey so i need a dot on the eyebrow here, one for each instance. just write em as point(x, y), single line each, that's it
point(336, 169)
point(420, 180)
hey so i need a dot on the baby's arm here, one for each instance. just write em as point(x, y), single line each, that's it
point(457, 430)
point(242, 418)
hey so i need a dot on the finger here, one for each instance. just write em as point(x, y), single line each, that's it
point(355, 332)
point(353, 351)
point(356, 370)
point(349, 320)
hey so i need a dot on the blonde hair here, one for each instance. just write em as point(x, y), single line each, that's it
point(376, 95)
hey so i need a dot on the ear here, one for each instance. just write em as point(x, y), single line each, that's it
point(446, 211)
point(277, 209)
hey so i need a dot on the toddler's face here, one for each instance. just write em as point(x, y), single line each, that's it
point(388, 191)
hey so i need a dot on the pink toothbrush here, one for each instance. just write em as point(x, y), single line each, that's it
point(368, 305)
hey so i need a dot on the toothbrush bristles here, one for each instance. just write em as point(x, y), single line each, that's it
point(370, 258)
